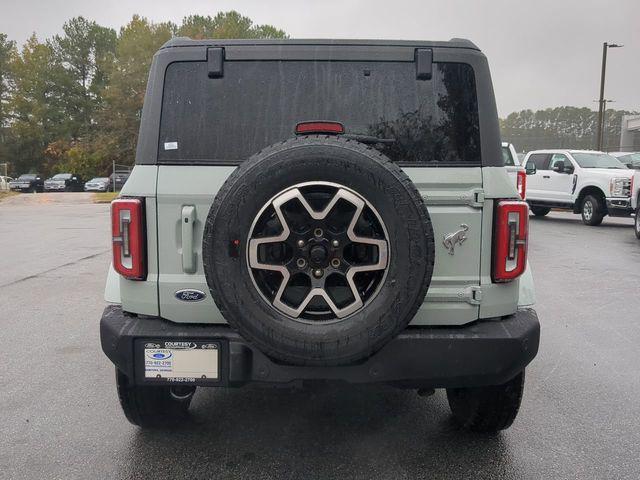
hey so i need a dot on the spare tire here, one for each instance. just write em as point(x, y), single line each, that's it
point(318, 250)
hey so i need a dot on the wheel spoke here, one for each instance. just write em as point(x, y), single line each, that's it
point(319, 286)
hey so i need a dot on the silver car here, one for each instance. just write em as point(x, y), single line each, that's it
point(98, 184)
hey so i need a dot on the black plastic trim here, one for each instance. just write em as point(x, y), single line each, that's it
point(424, 63)
point(182, 42)
point(215, 62)
point(486, 352)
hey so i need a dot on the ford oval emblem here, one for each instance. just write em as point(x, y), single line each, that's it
point(190, 295)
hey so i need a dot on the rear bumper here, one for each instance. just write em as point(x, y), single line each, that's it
point(487, 352)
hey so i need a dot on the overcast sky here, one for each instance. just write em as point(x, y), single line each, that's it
point(542, 53)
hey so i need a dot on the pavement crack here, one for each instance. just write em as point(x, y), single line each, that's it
point(39, 274)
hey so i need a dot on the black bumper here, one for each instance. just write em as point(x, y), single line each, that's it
point(619, 207)
point(487, 352)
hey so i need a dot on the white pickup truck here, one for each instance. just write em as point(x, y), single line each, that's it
point(514, 168)
point(584, 181)
point(635, 200)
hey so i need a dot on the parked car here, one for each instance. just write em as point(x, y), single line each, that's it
point(119, 179)
point(630, 159)
point(514, 168)
point(28, 182)
point(635, 201)
point(305, 250)
point(97, 184)
point(4, 182)
point(591, 183)
point(64, 182)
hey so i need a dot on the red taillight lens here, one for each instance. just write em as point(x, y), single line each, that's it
point(333, 128)
point(127, 228)
point(510, 240)
point(522, 183)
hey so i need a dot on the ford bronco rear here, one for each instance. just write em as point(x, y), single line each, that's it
point(320, 210)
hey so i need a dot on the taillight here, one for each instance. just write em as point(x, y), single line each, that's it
point(510, 240)
point(127, 228)
point(522, 183)
point(333, 128)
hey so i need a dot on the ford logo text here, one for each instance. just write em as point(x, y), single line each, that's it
point(189, 295)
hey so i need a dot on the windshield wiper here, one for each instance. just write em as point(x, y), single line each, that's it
point(369, 139)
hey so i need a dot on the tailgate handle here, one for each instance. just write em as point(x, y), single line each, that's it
point(188, 221)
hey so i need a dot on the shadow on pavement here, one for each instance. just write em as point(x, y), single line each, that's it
point(352, 431)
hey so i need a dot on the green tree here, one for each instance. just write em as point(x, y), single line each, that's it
point(226, 25)
point(38, 107)
point(123, 97)
point(7, 57)
point(75, 102)
point(87, 52)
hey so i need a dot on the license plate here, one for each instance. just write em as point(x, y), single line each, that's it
point(182, 361)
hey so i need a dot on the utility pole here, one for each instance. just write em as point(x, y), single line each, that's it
point(601, 119)
point(601, 101)
point(113, 176)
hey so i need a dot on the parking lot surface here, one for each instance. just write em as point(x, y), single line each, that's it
point(60, 417)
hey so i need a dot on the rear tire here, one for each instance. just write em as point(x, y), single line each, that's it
point(487, 409)
point(152, 406)
point(637, 222)
point(592, 210)
point(540, 211)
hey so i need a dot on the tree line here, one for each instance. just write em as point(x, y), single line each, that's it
point(561, 127)
point(73, 102)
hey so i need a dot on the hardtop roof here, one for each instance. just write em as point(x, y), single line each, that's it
point(188, 42)
point(563, 150)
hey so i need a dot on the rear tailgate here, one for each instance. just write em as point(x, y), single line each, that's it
point(200, 126)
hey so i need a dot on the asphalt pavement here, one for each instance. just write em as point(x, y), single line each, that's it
point(60, 417)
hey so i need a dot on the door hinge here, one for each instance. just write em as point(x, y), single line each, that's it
point(474, 295)
point(477, 199)
point(471, 294)
point(215, 62)
point(424, 63)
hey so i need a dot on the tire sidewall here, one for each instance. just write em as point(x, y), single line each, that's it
point(596, 212)
point(411, 252)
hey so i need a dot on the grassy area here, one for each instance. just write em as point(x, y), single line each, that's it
point(6, 194)
point(104, 197)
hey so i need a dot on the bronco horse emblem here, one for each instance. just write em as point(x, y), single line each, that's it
point(459, 236)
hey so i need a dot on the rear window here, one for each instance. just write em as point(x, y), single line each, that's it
point(226, 120)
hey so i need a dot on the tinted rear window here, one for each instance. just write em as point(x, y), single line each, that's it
point(255, 104)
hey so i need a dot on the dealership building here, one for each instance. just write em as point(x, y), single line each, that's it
point(630, 133)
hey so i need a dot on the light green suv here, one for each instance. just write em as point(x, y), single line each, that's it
point(320, 210)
